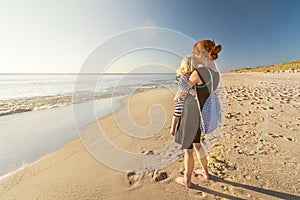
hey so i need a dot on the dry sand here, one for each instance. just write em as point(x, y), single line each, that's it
point(256, 157)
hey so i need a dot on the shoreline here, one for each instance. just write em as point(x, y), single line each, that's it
point(261, 127)
point(76, 146)
point(120, 99)
point(55, 135)
point(28, 104)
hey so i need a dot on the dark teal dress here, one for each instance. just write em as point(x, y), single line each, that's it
point(188, 131)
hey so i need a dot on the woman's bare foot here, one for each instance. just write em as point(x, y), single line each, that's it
point(202, 173)
point(182, 181)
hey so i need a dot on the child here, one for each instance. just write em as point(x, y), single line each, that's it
point(183, 74)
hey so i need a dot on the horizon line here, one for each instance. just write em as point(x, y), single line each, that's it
point(75, 73)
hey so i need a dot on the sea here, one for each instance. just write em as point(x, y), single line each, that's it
point(22, 86)
point(37, 115)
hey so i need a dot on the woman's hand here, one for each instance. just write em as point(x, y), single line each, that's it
point(192, 92)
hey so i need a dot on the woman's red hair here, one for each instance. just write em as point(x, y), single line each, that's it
point(209, 46)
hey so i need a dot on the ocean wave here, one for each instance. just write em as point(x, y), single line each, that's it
point(14, 106)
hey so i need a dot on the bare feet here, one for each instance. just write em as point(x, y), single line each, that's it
point(182, 181)
point(202, 173)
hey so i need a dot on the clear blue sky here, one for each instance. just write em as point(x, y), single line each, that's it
point(58, 35)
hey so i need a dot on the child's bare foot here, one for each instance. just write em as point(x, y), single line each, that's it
point(202, 173)
point(183, 182)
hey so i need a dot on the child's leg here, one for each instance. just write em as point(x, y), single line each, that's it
point(175, 121)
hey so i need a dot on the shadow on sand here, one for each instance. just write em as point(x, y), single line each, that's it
point(272, 193)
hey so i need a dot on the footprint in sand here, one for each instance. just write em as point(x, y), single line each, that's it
point(290, 139)
point(160, 176)
point(200, 194)
point(134, 179)
point(226, 188)
point(281, 136)
point(275, 136)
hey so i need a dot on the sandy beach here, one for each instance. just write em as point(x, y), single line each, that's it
point(256, 157)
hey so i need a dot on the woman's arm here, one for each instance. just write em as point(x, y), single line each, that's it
point(194, 79)
point(184, 85)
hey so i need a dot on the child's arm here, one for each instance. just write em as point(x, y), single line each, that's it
point(184, 86)
point(179, 94)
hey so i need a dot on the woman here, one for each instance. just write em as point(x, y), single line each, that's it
point(188, 132)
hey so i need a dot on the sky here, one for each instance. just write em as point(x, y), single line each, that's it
point(58, 36)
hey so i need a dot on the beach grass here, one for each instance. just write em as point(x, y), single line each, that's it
point(294, 64)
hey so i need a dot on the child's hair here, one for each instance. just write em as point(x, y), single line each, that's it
point(185, 66)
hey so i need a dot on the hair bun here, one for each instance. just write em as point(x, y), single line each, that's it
point(217, 49)
point(214, 52)
point(213, 56)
